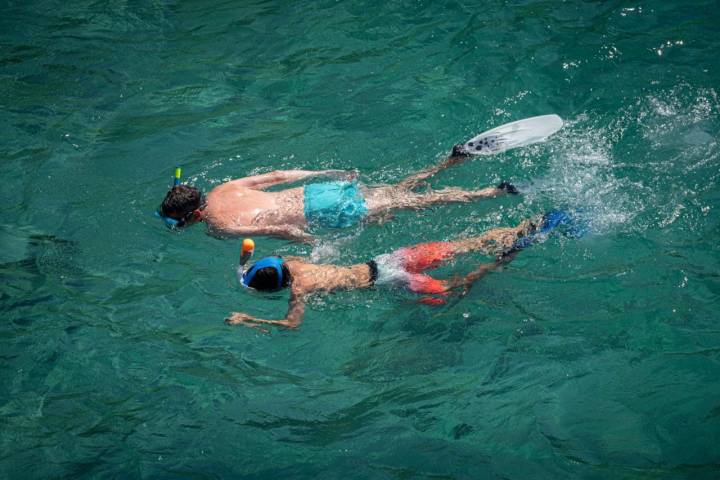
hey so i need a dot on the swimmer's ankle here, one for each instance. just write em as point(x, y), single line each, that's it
point(508, 187)
point(526, 227)
point(535, 223)
point(459, 151)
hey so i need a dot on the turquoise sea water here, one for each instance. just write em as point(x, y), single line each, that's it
point(593, 358)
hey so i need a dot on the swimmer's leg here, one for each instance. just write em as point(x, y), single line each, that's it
point(506, 242)
point(455, 158)
point(425, 256)
point(435, 291)
point(429, 255)
point(453, 194)
point(494, 242)
point(380, 200)
point(527, 233)
point(425, 284)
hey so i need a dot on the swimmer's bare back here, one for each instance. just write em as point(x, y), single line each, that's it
point(242, 207)
point(308, 278)
point(313, 277)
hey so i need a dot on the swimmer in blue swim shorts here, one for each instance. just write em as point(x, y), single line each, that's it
point(334, 204)
point(244, 207)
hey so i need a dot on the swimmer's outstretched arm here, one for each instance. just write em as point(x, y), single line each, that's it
point(277, 177)
point(288, 232)
point(293, 318)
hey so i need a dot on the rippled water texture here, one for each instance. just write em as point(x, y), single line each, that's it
point(593, 358)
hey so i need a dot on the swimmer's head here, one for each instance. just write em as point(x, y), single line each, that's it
point(267, 275)
point(181, 206)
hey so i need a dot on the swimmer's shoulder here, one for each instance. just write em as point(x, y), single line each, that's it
point(302, 267)
point(219, 197)
point(218, 215)
point(231, 186)
point(303, 274)
point(297, 265)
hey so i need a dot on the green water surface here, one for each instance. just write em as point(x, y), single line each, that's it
point(593, 358)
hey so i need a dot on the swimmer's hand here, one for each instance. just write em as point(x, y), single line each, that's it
point(381, 218)
point(299, 235)
point(239, 318)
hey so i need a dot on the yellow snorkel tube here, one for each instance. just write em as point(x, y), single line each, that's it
point(172, 222)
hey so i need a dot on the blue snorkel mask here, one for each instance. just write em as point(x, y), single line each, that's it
point(247, 275)
point(171, 222)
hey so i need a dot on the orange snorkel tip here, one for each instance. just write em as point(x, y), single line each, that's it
point(248, 248)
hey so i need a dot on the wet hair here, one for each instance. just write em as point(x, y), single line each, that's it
point(265, 279)
point(181, 201)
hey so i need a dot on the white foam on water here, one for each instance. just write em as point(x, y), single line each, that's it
point(679, 127)
point(330, 248)
point(667, 118)
point(325, 251)
point(580, 179)
point(645, 169)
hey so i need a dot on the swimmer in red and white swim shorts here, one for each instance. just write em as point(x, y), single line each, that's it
point(404, 267)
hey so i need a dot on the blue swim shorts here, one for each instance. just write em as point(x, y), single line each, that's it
point(334, 204)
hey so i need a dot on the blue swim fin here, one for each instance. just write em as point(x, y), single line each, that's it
point(553, 220)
